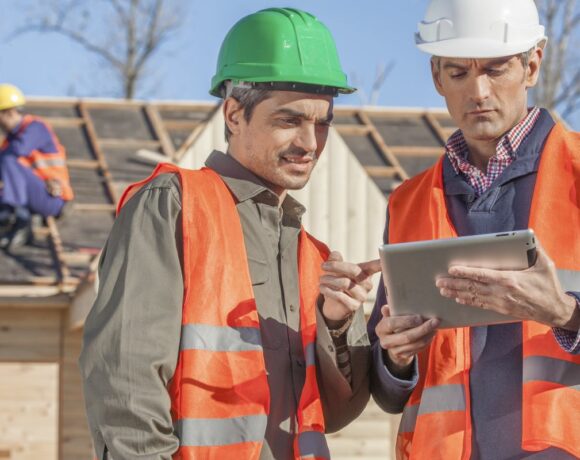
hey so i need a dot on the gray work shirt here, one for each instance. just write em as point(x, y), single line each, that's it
point(132, 333)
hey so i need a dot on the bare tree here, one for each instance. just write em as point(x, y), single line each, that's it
point(381, 74)
point(124, 34)
point(559, 84)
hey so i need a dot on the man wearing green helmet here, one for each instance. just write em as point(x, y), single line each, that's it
point(255, 342)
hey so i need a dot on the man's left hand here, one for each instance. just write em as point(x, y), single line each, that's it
point(532, 294)
point(345, 285)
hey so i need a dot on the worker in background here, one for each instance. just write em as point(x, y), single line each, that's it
point(508, 391)
point(221, 329)
point(33, 174)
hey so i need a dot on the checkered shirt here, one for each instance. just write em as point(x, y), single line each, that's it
point(458, 152)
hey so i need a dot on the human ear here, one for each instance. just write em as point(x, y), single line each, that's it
point(233, 114)
point(533, 68)
point(436, 74)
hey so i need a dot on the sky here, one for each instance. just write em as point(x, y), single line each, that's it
point(368, 33)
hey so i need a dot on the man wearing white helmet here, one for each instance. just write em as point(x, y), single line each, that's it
point(507, 391)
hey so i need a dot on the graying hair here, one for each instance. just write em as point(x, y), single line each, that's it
point(248, 98)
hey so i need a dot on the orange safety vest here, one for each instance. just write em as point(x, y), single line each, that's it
point(220, 397)
point(49, 166)
point(436, 421)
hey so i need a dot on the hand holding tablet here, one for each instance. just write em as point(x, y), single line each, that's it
point(411, 271)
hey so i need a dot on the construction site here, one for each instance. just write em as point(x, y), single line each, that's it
point(48, 287)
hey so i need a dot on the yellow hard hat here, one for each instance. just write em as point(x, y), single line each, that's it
point(10, 97)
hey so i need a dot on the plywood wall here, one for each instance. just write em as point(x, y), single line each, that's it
point(29, 411)
point(40, 418)
point(75, 438)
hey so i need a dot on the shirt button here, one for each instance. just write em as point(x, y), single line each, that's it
point(330, 348)
point(292, 307)
point(299, 363)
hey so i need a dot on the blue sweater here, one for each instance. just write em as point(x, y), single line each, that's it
point(496, 370)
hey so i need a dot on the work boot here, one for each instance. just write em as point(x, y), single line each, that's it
point(19, 235)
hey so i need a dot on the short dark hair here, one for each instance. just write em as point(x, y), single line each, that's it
point(248, 98)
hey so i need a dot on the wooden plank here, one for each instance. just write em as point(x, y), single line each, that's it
point(29, 335)
point(75, 440)
point(352, 130)
point(129, 143)
point(388, 154)
point(93, 140)
point(82, 164)
point(62, 268)
point(159, 130)
point(416, 151)
point(437, 128)
point(382, 171)
point(29, 410)
point(61, 122)
point(197, 107)
point(189, 142)
point(180, 125)
point(120, 104)
point(94, 207)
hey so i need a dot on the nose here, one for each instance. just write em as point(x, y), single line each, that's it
point(306, 138)
point(480, 90)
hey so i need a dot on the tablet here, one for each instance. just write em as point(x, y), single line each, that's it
point(411, 269)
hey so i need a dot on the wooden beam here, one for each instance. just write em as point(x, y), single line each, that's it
point(159, 130)
point(94, 143)
point(436, 127)
point(62, 268)
point(129, 143)
point(189, 142)
point(181, 125)
point(82, 164)
point(352, 130)
point(387, 153)
point(382, 171)
point(120, 104)
point(196, 107)
point(64, 122)
point(409, 150)
point(109, 207)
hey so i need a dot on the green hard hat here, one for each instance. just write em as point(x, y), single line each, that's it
point(284, 48)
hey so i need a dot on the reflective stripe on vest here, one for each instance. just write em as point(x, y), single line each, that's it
point(221, 431)
point(219, 394)
point(442, 398)
point(219, 338)
point(436, 422)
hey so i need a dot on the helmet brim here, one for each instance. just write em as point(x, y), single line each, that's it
point(476, 48)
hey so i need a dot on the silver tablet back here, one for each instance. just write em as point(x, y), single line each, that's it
point(411, 269)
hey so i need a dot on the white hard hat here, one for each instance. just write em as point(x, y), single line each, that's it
point(479, 28)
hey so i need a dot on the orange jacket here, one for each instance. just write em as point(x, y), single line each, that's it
point(220, 397)
point(436, 421)
point(49, 166)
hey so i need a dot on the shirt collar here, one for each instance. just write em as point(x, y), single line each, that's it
point(458, 151)
point(245, 185)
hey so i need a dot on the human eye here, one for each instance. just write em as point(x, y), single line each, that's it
point(289, 121)
point(458, 74)
point(496, 71)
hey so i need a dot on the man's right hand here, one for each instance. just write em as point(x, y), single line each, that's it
point(402, 337)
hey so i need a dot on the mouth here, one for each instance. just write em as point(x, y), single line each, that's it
point(297, 163)
point(480, 112)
